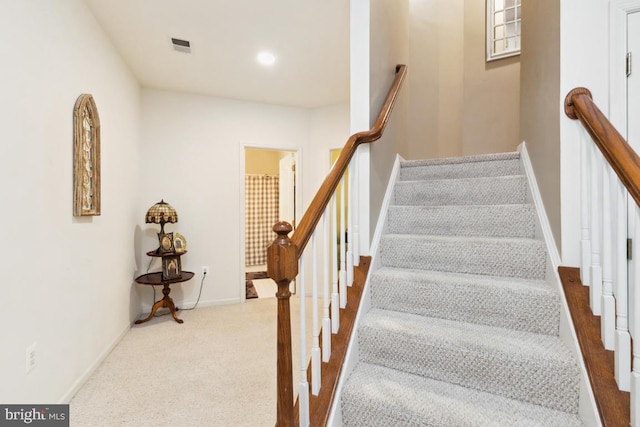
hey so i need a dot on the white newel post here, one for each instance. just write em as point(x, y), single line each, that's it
point(608, 320)
point(595, 290)
point(622, 354)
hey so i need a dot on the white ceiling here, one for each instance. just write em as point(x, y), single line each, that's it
point(310, 39)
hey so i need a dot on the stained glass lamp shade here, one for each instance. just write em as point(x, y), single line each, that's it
point(161, 213)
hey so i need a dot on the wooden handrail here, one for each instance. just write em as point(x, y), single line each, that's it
point(579, 105)
point(322, 198)
point(284, 252)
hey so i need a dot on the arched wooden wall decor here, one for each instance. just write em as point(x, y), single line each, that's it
point(86, 157)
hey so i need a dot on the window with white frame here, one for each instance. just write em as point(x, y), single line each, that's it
point(503, 28)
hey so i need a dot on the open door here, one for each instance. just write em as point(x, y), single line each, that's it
point(287, 192)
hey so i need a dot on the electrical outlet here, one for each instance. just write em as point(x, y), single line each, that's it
point(205, 269)
point(30, 360)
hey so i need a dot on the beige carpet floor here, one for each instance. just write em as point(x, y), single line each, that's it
point(216, 369)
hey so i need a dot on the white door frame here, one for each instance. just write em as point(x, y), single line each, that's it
point(619, 9)
point(618, 115)
point(618, 108)
point(298, 197)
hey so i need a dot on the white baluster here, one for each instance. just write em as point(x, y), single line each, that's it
point(342, 281)
point(335, 296)
point(608, 320)
point(585, 203)
point(349, 237)
point(315, 348)
point(354, 207)
point(326, 320)
point(595, 290)
point(622, 355)
point(303, 388)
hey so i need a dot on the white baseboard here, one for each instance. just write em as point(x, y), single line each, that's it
point(537, 201)
point(211, 303)
point(77, 385)
point(66, 398)
point(381, 225)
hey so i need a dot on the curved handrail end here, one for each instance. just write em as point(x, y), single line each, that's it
point(568, 101)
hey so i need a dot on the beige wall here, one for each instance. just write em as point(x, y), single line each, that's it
point(540, 105)
point(459, 103)
point(389, 47)
point(263, 161)
point(435, 78)
point(491, 97)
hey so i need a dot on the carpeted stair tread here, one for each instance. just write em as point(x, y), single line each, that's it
point(378, 396)
point(509, 257)
point(534, 368)
point(500, 190)
point(461, 167)
point(520, 304)
point(479, 220)
point(510, 155)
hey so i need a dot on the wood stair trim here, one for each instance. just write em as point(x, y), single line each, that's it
point(320, 406)
point(613, 404)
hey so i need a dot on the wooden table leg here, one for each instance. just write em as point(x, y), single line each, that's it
point(173, 310)
point(165, 302)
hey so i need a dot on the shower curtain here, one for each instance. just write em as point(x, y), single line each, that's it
point(261, 213)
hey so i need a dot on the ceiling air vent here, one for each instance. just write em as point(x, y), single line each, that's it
point(181, 45)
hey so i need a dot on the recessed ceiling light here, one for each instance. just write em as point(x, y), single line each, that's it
point(266, 58)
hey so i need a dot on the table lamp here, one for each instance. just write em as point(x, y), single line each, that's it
point(161, 213)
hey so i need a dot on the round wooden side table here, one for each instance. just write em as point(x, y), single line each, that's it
point(166, 301)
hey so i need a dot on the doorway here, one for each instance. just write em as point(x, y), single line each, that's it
point(270, 196)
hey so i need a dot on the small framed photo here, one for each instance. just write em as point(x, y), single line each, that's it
point(179, 243)
point(166, 243)
point(171, 267)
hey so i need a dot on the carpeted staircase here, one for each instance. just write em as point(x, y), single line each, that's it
point(463, 329)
